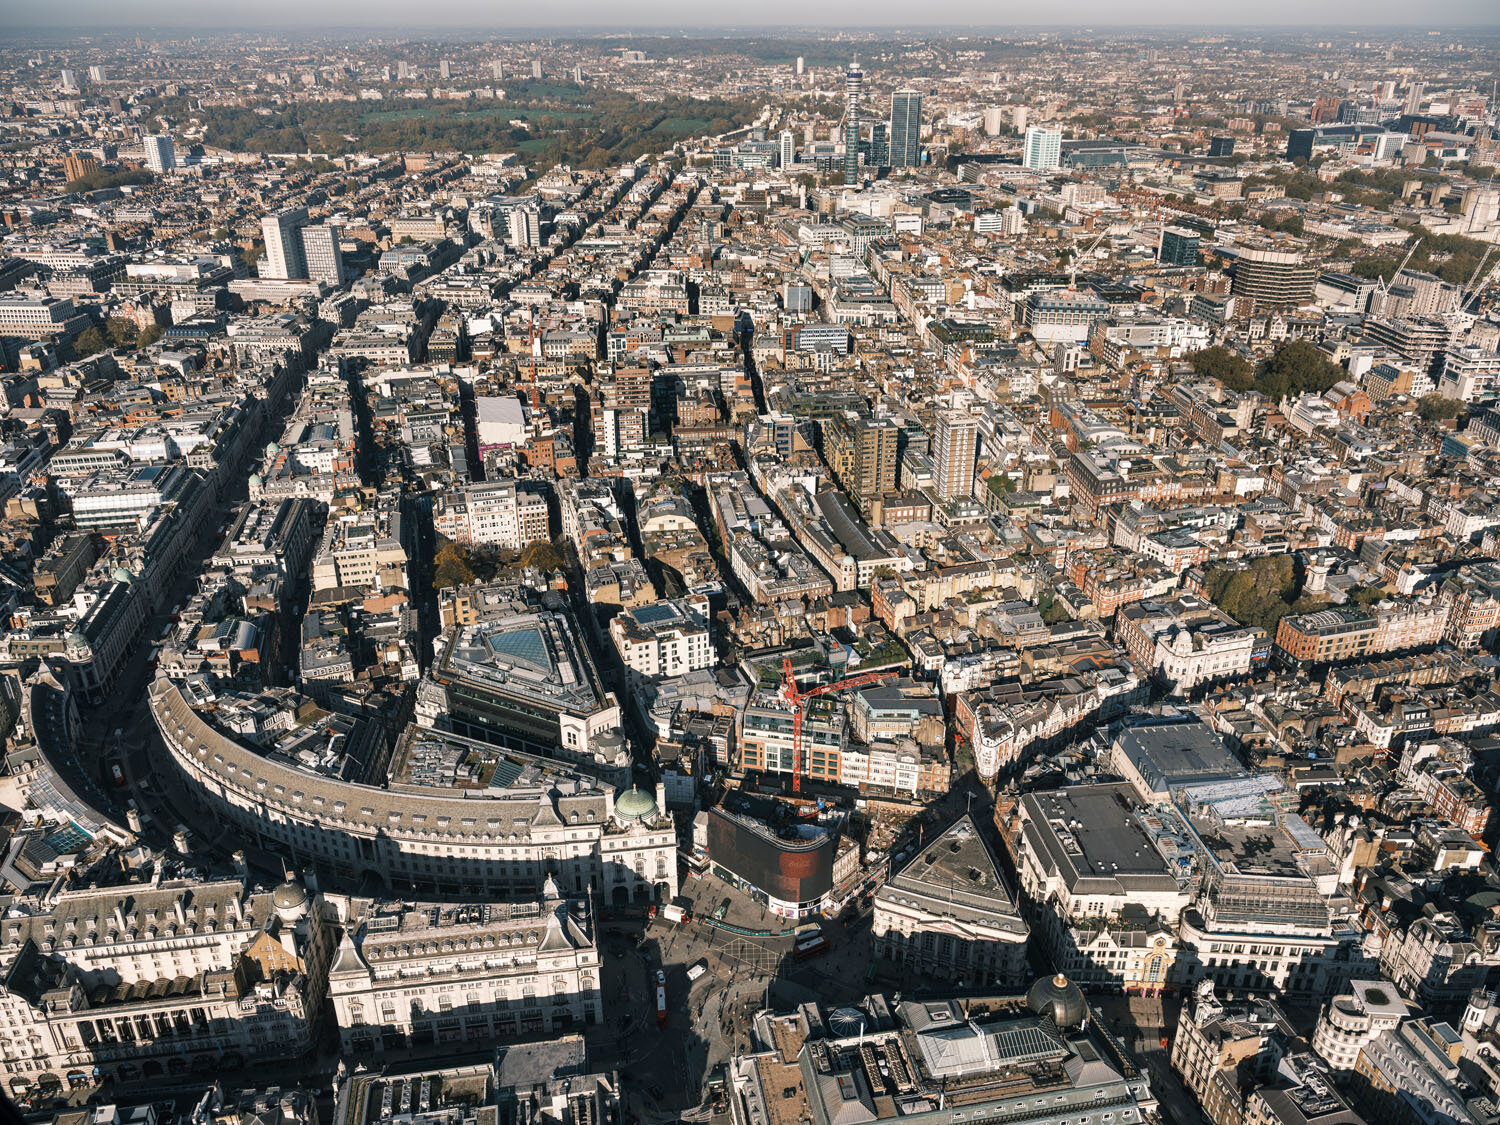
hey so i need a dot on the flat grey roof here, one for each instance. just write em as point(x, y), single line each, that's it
point(1177, 752)
point(1092, 837)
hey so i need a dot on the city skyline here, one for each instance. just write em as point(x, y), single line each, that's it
point(554, 578)
point(881, 15)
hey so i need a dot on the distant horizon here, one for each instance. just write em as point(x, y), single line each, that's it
point(1346, 17)
point(678, 31)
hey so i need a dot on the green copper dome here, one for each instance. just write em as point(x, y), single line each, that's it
point(635, 804)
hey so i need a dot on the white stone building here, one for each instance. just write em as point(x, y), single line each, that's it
point(145, 981)
point(411, 975)
point(667, 638)
point(948, 912)
point(1354, 1018)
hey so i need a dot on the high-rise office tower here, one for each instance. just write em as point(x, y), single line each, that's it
point(98, 74)
point(854, 86)
point(1325, 108)
point(879, 153)
point(1221, 146)
point(69, 80)
point(284, 258)
point(321, 254)
point(906, 129)
point(1043, 148)
point(523, 226)
point(1414, 94)
point(863, 454)
point(77, 165)
point(1178, 247)
point(788, 148)
point(1480, 207)
point(445, 70)
point(1274, 279)
point(161, 157)
point(1299, 142)
point(957, 444)
point(801, 65)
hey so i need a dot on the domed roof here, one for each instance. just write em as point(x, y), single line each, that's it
point(272, 449)
point(291, 895)
point(1060, 999)
point(255, 479)
point(122, 574)
point(635, 804)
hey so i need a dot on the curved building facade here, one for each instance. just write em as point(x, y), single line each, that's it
point(791, 875)
point(1274, 279)
point(496, 822)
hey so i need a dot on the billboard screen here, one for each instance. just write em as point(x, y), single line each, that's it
point(803, 875)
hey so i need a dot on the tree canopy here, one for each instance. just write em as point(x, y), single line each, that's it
point(547, 122)
point(89, 341)
point(1297, 368)
point(542, 555)
point(1229, 367)
point(1260, 594)
point(97, 181)
point(450, 567)
point(1053, 610)
point(1436, 408)
point(1451, 257)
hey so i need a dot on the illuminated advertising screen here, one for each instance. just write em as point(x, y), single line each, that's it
point(801, 875)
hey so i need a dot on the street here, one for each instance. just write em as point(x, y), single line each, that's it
point(1140, 1023)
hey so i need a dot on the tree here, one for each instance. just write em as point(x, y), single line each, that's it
point(1053, 610)
point(1291, 224)
point(542, 555)
point(1230, 368)
point(450, 567)
point(89, 341)
point(1436, 408)
point(96, 181)
point(122, 331)
point(1372, 268)
point(149, 335)
point(1260, 594)
point(1297, 368)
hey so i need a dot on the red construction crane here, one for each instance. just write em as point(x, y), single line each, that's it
point(800, 700)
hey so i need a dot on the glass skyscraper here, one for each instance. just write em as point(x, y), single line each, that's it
point(1178, 247)
point(1043, 149)
point(906, 129)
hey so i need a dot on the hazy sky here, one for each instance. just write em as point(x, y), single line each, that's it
point(506, 15)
